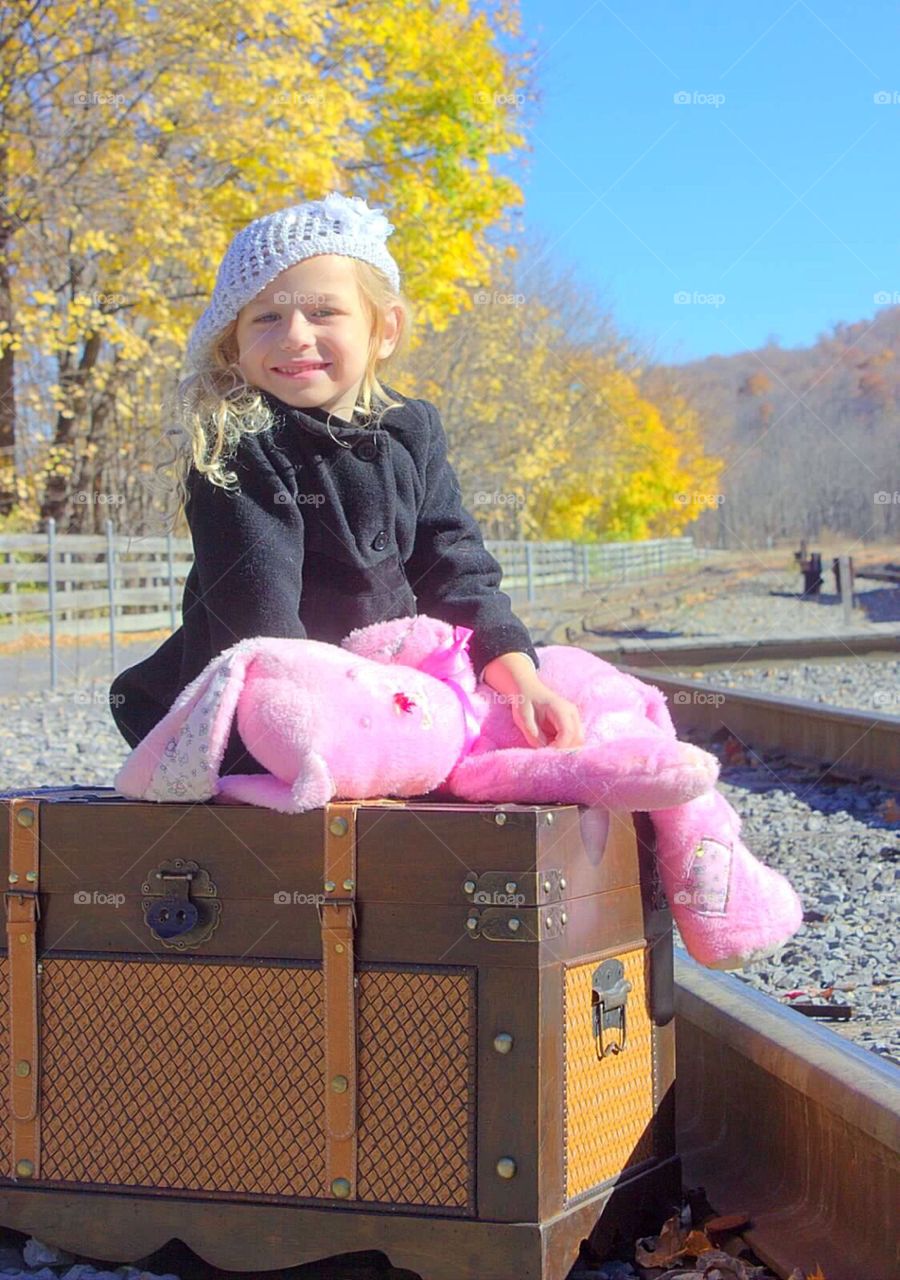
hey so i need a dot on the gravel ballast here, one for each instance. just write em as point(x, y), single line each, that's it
point(861, 683)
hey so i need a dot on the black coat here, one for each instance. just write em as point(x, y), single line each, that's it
point(322, 539)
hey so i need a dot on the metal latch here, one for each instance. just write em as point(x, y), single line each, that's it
point(181, 906)
point(609, 998)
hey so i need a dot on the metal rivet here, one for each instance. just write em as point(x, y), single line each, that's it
point(511, 886)
point(506, 1167)
point(23, 1068)
point(548, 818)
point(330, 886)
point(341, 1188)
point(31, 875)
point(469, 886)
point(340, 1084)
point(25, 817)
point(13, 877)
point(549, 921)
point(23, 937)
point(24, 1169)
point(563, 917)
point(547, 886)
point(472, 922)
point(500, 819)
point(503, 1042)
point(348, 885)
point(513, 924)
point(562, 882)
point(339, 826)
point(339, 948)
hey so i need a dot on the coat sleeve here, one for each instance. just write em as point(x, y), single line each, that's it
point(454, 576)
point(248, 551)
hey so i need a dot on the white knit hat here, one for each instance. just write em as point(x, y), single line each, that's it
point(268, 245)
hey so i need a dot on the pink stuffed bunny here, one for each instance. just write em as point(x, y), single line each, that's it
point(396, 710)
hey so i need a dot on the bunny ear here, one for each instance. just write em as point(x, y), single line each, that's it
point(180, 758)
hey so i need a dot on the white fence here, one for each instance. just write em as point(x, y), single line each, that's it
point(83, 584)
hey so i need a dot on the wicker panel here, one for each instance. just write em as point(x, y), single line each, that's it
point(207, 1076)
point(182, 1075)
point(416, 1085)
point(608, 1104)
point(5, 1136)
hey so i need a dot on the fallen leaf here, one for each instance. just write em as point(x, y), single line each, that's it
point(890, 811)
point(696, 1243)
point(669, 1246)
point(818, 1274)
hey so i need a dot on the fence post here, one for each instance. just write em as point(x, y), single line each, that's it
point(529, 571)
point(51, 596)
point(845, 574)
point(585, 566)
point(64, 614)
point(111, 589)
point(13, 593)
point(172, 618)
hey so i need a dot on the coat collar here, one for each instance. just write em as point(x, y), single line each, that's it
point(317, 422)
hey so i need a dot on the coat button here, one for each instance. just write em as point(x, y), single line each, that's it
point(367, 450)
point(379, 542)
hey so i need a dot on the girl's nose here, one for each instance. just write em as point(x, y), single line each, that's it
point(298, 331)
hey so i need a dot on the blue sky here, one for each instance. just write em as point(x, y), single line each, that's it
point(768, 199)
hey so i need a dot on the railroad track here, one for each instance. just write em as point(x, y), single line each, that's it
point(778, 1117)
point(775, 1115)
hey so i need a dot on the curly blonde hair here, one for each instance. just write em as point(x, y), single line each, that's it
point(214, 407)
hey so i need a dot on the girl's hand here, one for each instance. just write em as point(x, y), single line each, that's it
point(543, 717)
point(546, 718)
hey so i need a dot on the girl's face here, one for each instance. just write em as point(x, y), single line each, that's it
point(305, 337)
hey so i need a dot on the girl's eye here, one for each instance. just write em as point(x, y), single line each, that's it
point(322, 311)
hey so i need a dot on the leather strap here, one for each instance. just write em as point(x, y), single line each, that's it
point(338, 917)
point(22, 915)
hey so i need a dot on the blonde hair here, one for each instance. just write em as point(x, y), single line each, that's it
point(215, 406)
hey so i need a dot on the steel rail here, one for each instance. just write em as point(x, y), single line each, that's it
point(736, 650)
point(782, 1118)
point(843, 741)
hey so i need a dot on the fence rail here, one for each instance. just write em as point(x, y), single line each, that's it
point(87, 585)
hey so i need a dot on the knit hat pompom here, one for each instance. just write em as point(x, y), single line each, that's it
point(269, 245)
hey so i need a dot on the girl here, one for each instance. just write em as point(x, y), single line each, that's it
point(340, 508)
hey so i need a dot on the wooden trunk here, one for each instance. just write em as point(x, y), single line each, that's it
point(440, 1030)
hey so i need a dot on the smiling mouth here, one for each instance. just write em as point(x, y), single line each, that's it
point(301, 370)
